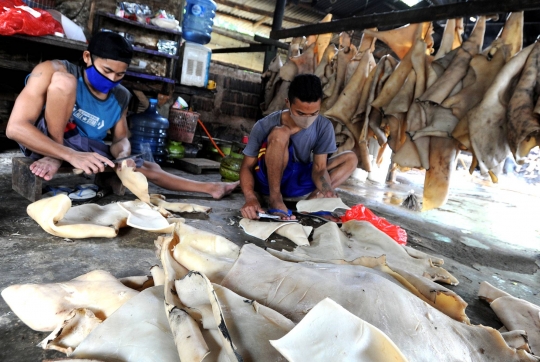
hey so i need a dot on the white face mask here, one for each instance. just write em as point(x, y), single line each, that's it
point(303, 121)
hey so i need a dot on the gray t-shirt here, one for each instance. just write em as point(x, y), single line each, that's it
point(318, 138)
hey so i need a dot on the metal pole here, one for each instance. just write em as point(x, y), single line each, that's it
point(279, 12)
point(277, 22)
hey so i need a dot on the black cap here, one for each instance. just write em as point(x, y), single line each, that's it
point(109, 45)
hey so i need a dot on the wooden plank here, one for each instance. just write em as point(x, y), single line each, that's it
point(54, 40)
point(24, 182)
point(395, 18)
point(196, 165)
point(16, 65)
point(110, 180)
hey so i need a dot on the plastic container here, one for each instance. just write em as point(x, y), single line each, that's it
point(229, 168)
point(149, 127)
point(182, 125)
point(198, 20)
point(195, 64)
point(175, 150)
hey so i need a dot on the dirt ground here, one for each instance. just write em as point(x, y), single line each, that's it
point(483, 233)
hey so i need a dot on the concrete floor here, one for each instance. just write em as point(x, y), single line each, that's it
point(483, 233)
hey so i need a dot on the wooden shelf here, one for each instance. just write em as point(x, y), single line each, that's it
point(54, 40)
point(136, 23)
point(149, 77)
point(154, 52)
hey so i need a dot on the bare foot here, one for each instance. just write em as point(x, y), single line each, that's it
point(45, 167)
point(222, 189)
point(279, 205)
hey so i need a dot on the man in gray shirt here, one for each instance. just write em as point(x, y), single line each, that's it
point(287, 153)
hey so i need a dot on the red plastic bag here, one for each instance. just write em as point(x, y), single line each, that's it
point(362, 213)
point(19, 21)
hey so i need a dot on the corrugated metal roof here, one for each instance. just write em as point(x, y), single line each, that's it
point(299, 14)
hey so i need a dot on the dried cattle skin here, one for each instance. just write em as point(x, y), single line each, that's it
point(67, 336)
point(343, 109)
point(56, 216)
point(344, 55)
point(400, 40)
point(323, 204)
point(352, 338)
point(306, 61)
point(194, 248)
point(135, 181)
point(295, 232)
point(278, 103)
point(293, 289)
point(243, 327)
point(514, 313)
point(328, 54)
point(323, 40)
point(487, 121)
point(43, 307)
point(159, 200)
point(523, 123)
point(457, 69)
point(137, 332)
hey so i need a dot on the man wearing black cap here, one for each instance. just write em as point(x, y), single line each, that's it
point(65, 111)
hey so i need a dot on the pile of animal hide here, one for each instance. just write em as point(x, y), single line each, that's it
point(426, 106)
point(151, 212)
point(353, 295)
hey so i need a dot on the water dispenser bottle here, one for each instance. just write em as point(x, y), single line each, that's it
point(198, 20)
point(149, 127)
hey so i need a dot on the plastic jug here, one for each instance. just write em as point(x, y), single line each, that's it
point(198, 20)
point(149, 127)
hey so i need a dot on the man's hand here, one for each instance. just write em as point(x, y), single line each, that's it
point(130, 162)
point(329, 194)
point(89, 162)
point(251, 209)
point(325, 194)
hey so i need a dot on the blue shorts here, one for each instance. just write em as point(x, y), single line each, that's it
point(74, 140)
point(296, 180)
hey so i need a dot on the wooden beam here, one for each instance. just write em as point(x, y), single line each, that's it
point(263, 40)
point(260, 21)
point(394, 18)
point(253, 10)
point(234, 35)
point(250, 49)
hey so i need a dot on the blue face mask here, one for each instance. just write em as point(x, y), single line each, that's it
point(98, 81)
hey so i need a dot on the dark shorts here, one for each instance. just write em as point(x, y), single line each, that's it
point(296, 180)
point(73, 140)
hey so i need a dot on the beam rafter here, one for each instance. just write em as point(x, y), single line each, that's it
point(394, 18)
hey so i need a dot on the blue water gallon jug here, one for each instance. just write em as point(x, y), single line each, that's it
point(198, 20)
point(151, 128)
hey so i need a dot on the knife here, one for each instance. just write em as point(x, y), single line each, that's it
point(78, 171)
point(269, 217)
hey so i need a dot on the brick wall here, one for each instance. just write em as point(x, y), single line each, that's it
point(233, 109)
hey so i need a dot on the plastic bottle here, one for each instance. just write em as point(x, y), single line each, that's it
point(198, 20)
point(149, 127)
